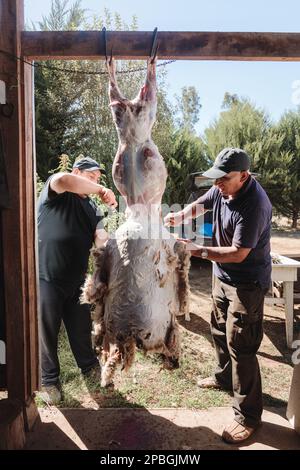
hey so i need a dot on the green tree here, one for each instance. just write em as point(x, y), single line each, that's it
point(241, 125)
point(72, 111)
point(57, 94)
point(229, 100)
point(275, 149)
point(188, 108)
point(61, 17)
point(286, 167)
point(187, 156)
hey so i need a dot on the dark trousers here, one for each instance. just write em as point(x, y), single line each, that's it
point(237, 331)
point(59, 304)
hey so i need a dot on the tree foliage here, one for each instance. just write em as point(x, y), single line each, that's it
point(274, 149)
point(241, 125)
point(72, 110)
point(187, 156)
point(286, 167)
point(188, 108)
point(229, 100)
point(73, 117)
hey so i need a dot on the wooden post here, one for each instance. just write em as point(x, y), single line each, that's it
point(18, 220)
point(12, 429)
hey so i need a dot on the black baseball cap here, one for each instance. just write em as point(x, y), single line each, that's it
point(229, 159)
point(88, 164)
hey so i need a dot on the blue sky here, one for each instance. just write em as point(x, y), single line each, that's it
point(268, 84)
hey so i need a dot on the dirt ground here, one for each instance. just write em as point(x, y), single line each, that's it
point(173, 398)
point(180, 428)
point(286, 243)
point(273, 354)
point(153, 429)
point(273, 351)
point(148, 385)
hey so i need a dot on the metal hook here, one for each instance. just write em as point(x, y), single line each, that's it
point(105, 46)
point(154, 46)
point(105, 42)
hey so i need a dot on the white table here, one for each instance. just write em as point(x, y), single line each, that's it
point(286, 272)
point(293, 408)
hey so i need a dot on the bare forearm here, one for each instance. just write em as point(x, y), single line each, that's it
point(75, 184)
point(224, 254)
point(193, 210)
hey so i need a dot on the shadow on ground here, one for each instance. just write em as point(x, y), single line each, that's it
point(142, 429)
point(196, 325)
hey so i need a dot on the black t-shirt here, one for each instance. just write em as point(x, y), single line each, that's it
point(244, 222)
point(66, 232)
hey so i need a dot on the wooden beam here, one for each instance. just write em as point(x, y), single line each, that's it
point(172, 45)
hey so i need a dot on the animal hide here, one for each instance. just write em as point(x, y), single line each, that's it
point(140, 283)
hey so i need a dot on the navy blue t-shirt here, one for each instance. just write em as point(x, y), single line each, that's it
point(66, 231)
point(244, 222)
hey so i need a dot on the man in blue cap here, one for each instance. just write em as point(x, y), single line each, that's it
point(242, 216)
point(68, 225)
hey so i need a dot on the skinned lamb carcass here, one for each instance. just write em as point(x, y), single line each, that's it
point(140, 282)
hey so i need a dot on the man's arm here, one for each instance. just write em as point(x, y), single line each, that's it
point(220, 254)
point(62, 182)
point(192, 211)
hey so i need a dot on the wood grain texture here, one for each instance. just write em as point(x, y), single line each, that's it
point(178, 45)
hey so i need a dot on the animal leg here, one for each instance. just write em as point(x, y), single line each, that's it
point(172, 346)
point(109, 368)
point(93, 292)
point(114, 91)
point(183, 285)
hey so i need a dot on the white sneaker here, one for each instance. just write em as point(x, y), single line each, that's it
point(50, 394)
point(208, 382)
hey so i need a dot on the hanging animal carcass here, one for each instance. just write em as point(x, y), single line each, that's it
point(140, 282)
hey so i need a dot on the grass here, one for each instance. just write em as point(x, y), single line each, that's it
point(276, 384)
point(146, 384)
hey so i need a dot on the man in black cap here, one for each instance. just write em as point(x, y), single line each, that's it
point(242, 216)
point(68, 225)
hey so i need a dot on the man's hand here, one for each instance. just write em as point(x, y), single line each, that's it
point(173, 219)
point(191, 246)
point(108, 197)
point(101, 237)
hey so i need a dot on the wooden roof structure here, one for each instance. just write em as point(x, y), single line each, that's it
point(18, 262)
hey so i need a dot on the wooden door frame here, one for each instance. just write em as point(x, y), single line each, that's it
point(18, 220)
